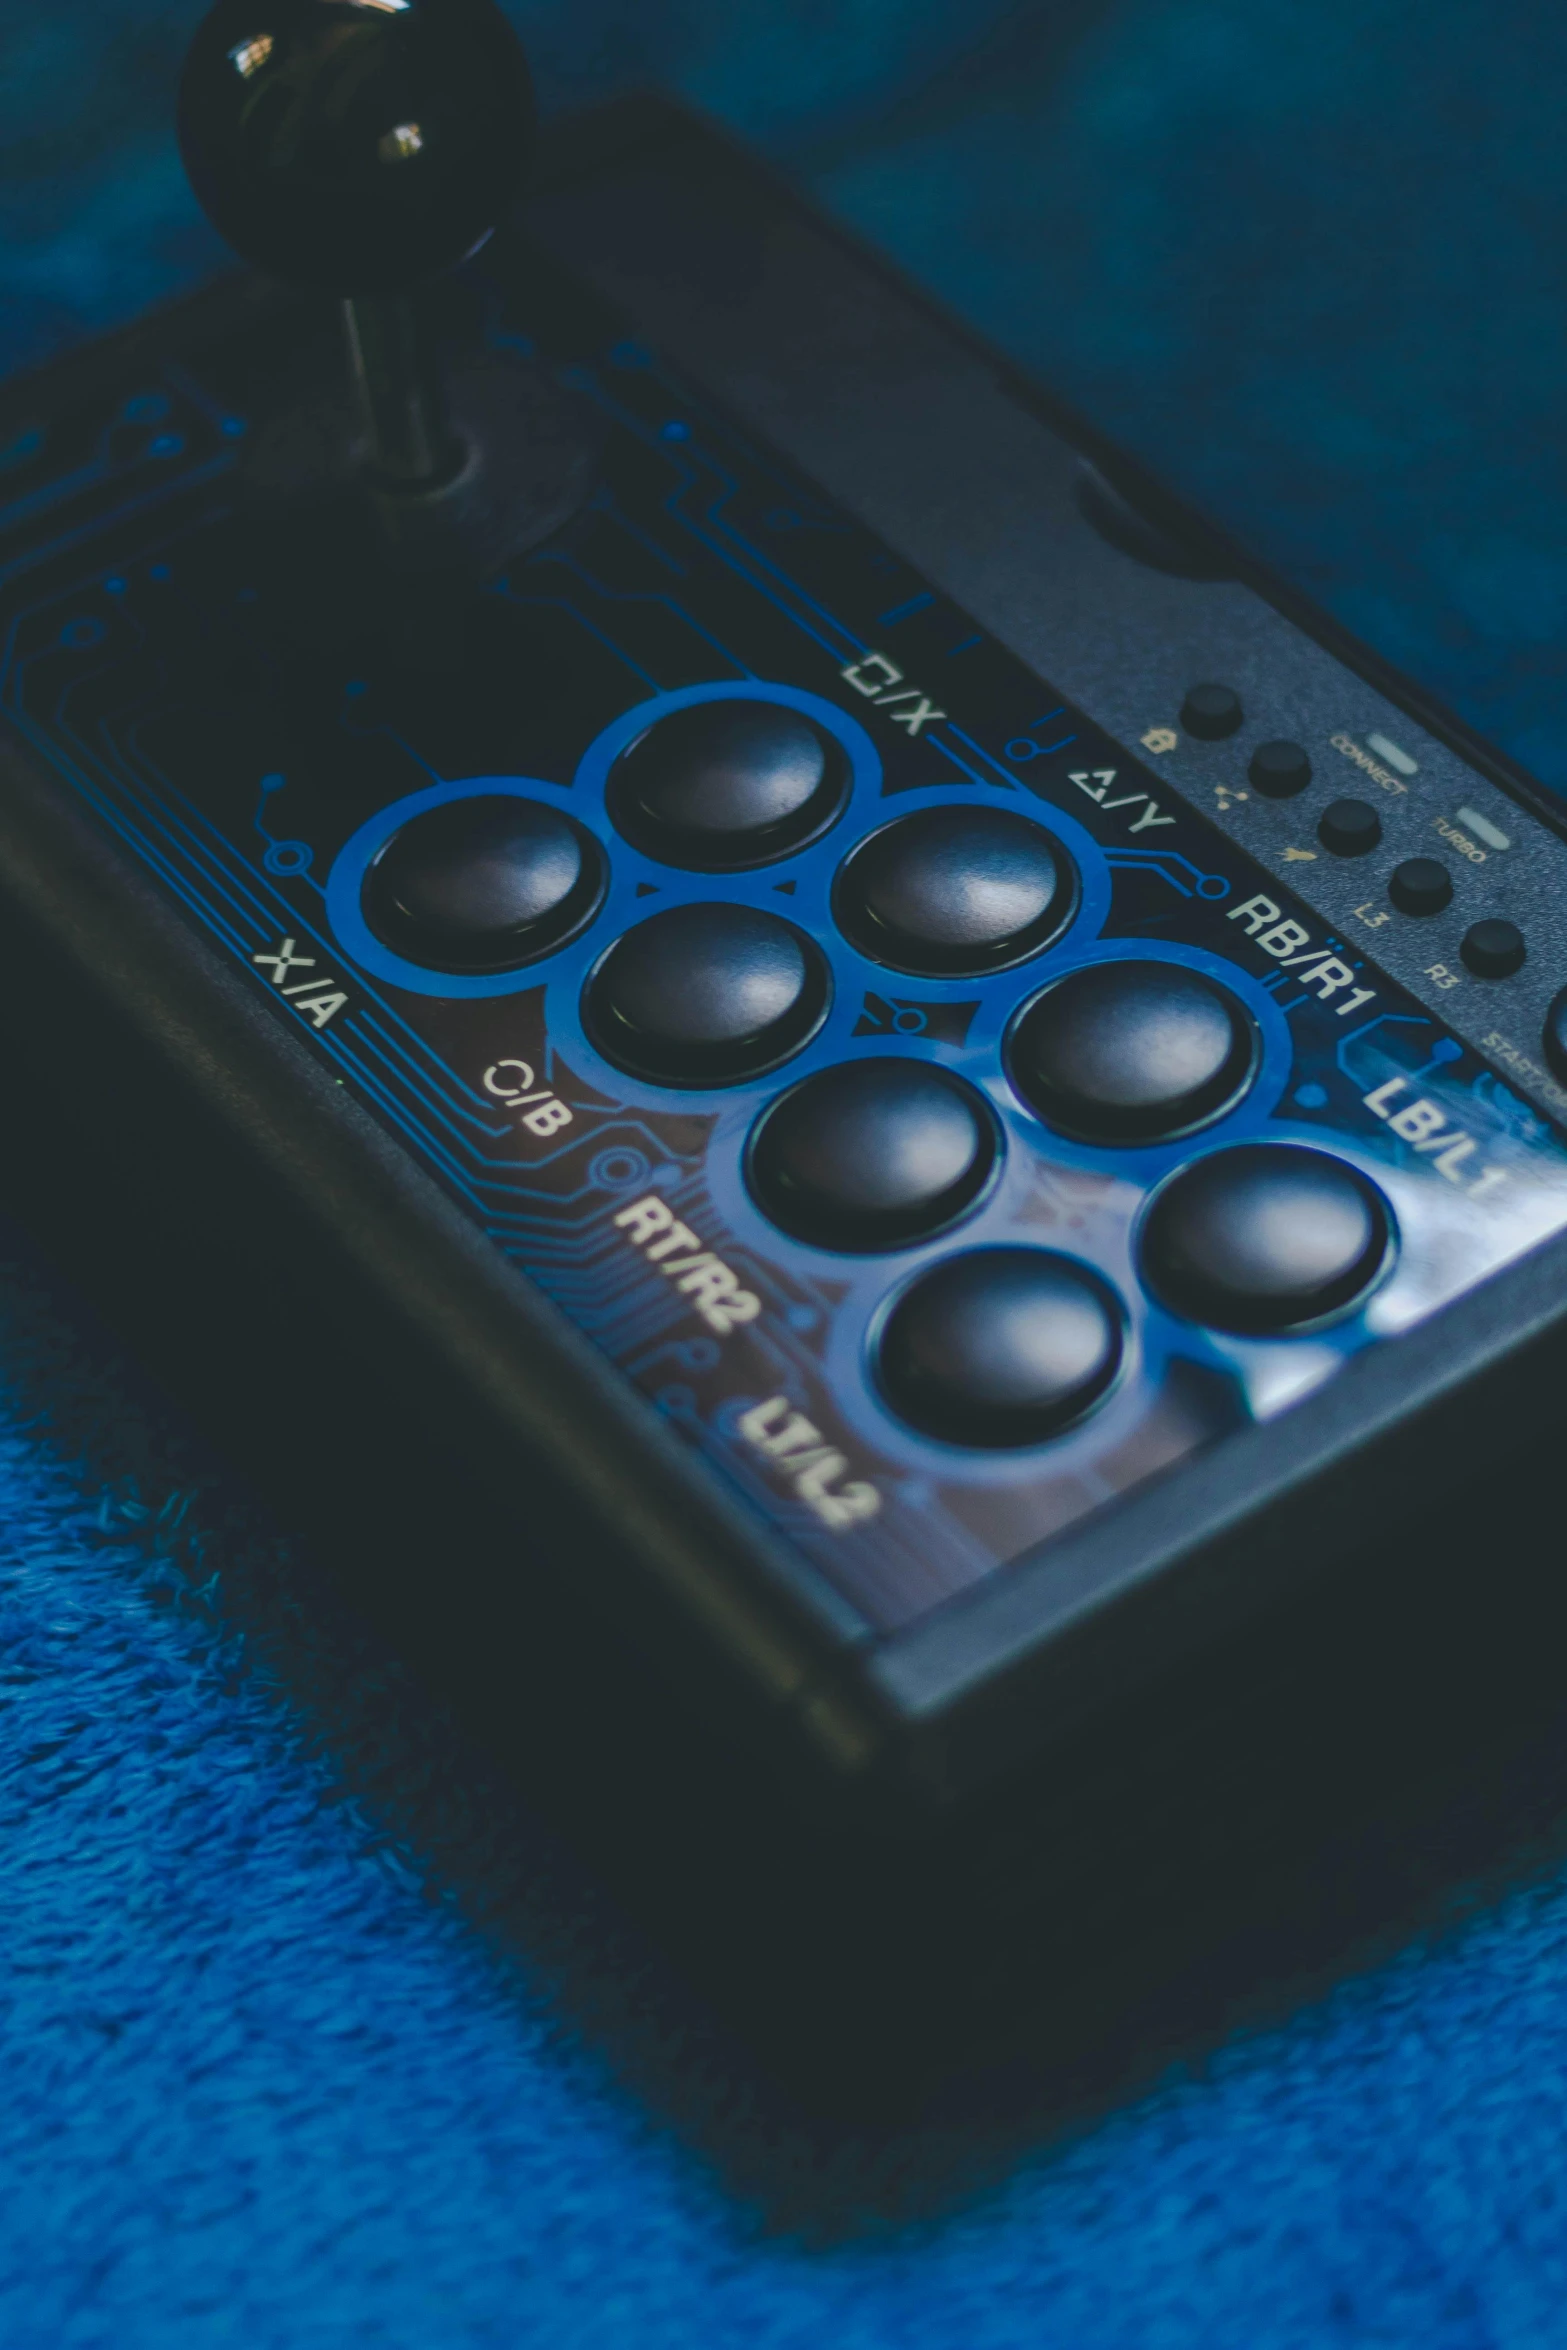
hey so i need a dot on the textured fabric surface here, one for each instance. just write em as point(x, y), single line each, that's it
point(312, 2035)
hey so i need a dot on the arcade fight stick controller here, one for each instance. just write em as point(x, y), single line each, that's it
point(948, 1090)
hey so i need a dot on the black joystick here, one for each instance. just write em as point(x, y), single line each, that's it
point(364, 148)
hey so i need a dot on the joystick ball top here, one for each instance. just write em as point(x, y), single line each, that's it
point(356, 145)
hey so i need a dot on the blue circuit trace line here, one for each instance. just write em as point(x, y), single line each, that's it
point(641, 596)
point(900, 612)
point(1159, 861)
point(980, 752)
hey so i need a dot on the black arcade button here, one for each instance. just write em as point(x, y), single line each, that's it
point(725, 785)
point(1279, 770)
point(1349, 828)
point(872, 1154)
point(956, 891)
point(1494, 950)
point(1421, 885)
point(1265, 1238)
point(1000, 1347)
point(706, 994)
point(1132, 1051)
point(484, 884)
point(1211, 712)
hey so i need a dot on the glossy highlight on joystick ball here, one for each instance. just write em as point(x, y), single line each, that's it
point(352, 145)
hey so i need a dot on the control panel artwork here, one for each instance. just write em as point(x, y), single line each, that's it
point(942, 1124)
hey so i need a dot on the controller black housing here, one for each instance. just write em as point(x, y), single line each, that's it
point(813, 496)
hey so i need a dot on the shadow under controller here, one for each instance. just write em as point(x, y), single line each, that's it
point(1037, 1072)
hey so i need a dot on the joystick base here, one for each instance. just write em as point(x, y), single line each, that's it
point(525, 466)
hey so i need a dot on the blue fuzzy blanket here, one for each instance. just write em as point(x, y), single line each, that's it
point(312, 2036)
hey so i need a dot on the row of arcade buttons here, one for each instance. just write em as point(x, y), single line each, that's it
point(492, 884)
point(1007, 1346)
point(993, 1346)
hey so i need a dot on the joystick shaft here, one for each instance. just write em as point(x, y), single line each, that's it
point(410, 441)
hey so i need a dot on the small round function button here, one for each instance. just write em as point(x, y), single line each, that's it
point(724, 785)
point(1493, 950)
point(1349, 828)
point(956, 891)
point(1132, 1051)
point(1265, 1239)
point(706, 995)
point(484, 884)
point(872, 1154)
point(1279, 770)
point(1211, 712)
point(1001, 1347)
point(1420, 886)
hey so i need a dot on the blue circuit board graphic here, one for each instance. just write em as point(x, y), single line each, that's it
point(193, 674)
